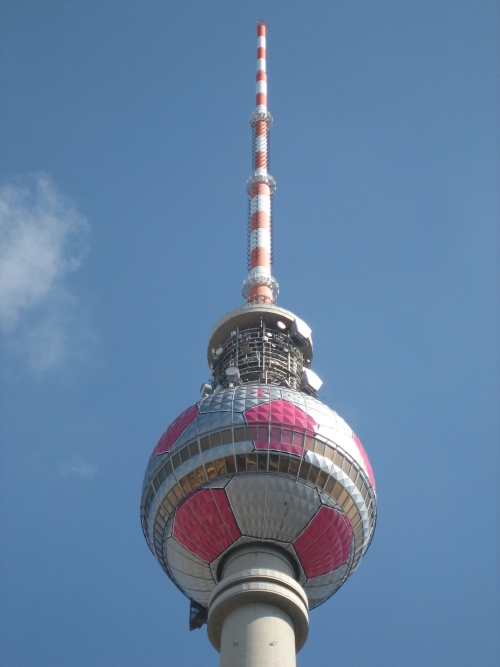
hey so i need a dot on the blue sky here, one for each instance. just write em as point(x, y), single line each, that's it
point(125, 149)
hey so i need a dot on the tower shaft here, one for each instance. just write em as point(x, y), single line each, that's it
point(257, 615)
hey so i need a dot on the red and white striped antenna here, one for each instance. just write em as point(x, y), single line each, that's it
point(260, 286)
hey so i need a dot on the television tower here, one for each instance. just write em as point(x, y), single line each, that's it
point(258, 500)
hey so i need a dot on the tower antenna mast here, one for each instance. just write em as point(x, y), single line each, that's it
point(260, 286)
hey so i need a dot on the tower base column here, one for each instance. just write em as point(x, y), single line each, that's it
point(257, 614)
point(257, 634)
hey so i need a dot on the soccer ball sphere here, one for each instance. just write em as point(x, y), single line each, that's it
point(259, 463)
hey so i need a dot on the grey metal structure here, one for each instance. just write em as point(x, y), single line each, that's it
point(262, 355)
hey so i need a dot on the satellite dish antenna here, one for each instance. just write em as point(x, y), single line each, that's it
point(219, 351)
point(281, 325)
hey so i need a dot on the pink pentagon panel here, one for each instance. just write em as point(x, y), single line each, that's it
point(281, 413)
point(365, 459)
point(325, 544)
point(174, 430)
point(205, 525)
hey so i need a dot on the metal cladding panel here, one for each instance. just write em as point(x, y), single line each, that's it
point(278, 447)
point(214, 403)
point(361, 504)
point(213, 420)
point(278, 501)
point(333, 427)
point(189, 572)
point(227, 450)
point(189, 465)
point(256, 394)
point(152, 463)
point(239, 405)
point(203, 422)
point(320, 588)
point(325, 544)
point(345, 442)
point(218, 484)
point(269, 391)
point(365, 459)
point(271, 507)
point(170, 481)
point(243, 447)
point(302, 505)
point(205, 525)
point(174, 430)
point(247, 496)
point(188, 434)
point(319, 461)
point(260, 504)
point(219, 419)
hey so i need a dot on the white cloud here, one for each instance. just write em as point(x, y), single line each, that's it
point(43, 238)
point(77, 467)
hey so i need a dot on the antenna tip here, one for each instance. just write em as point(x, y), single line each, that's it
point(262, 25)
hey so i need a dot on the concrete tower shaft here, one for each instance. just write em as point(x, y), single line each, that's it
point(258, 613)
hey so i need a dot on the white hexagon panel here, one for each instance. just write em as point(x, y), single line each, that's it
point(259, 462)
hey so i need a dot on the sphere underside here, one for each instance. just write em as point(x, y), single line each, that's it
point(259, 463)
